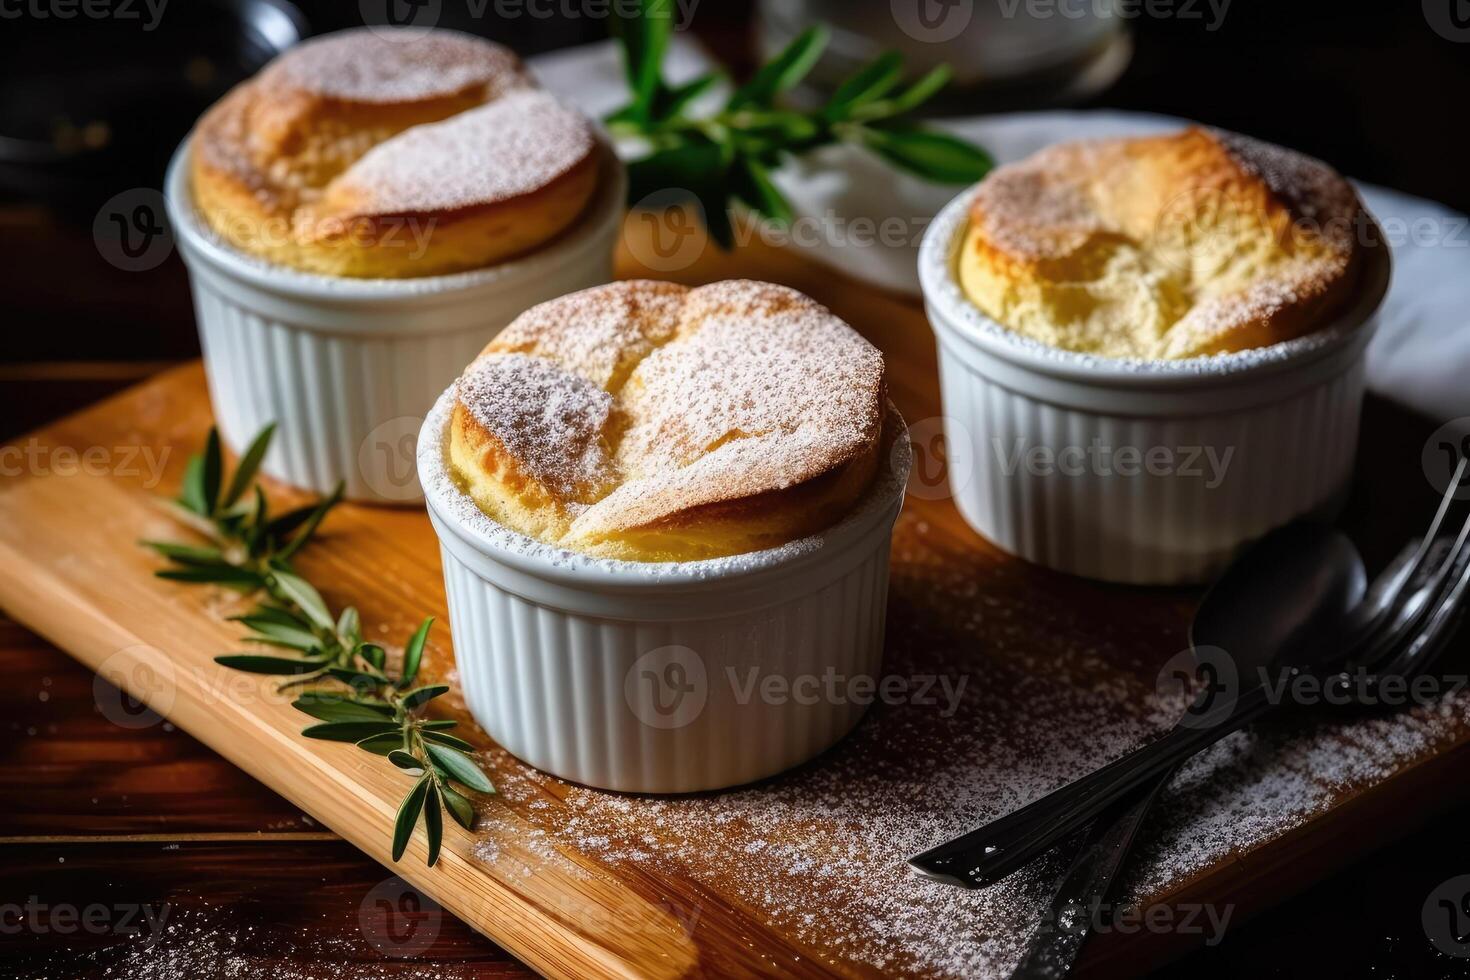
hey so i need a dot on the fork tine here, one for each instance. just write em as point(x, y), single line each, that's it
point(1382, 629)
point(1423, 648)
point(1426, 543)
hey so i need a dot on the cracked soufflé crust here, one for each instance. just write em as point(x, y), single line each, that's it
point(648, 421)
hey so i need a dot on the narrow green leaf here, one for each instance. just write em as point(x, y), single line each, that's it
point(373, 654)
point(338, 710)
point(213, 472)
point(350, 731)
point(757, 189)
point(305, 596)
point(408, 816)
point(255, 663)
point(313, 521)
point(437, 725)
point(360, 681)
point(281, 527)
point(459, 806)
point(783, 71)
point(349, 627)
point(453, 741)
point(215, 575)
point(279, 615)
point(643, 33)
point(191, 492)
point(249, 465)
point(929, 154)
point(382, 744)
point(910, 98)
point(460, 768)
point(257, 536)
point(675, 100)
point(406, 761)
point(433, 823)
point(423, 695)
point(325, 696)
point(289, 636)
point(187, 554)
point(872, 81)
point(413, 654)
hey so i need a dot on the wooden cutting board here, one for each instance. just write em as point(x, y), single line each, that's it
point(802, 875)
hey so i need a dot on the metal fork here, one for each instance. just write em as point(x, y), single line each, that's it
point(989, 853)
point(1089, 880)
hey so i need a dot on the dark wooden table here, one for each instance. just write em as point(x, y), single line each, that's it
point(130, 850)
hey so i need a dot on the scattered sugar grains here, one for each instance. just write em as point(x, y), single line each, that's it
point(1051, 694)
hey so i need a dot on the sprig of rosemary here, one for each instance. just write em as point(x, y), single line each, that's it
point(361, 701)
point(729, 155)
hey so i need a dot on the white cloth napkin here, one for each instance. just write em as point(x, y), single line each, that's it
point(1421, 356)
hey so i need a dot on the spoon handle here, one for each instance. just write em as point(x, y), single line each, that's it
point(1081, 897)
point(989, 853)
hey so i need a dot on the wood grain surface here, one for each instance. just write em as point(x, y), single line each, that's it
point(69, 568)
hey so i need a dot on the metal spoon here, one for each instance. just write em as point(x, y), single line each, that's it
point(1281, 591)
point(1250, 614)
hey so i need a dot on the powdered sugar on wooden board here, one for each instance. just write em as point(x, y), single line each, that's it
point(1049, 693)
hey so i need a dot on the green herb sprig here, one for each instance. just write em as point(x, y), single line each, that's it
point(361, 701)
point(729, 155)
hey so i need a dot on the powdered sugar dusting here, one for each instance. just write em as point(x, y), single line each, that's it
point(495, 152)
point(548, 419)
point(721, 393)
point(1310, 189)
point(452, 505)
point(1054, 686)
point(383, 65)
point(945, 236)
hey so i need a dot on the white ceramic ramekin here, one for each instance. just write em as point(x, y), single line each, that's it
point(1145, 472)
point(347, 368)
point(663, 678)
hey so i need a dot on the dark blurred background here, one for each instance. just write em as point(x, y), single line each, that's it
point(92, 108)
